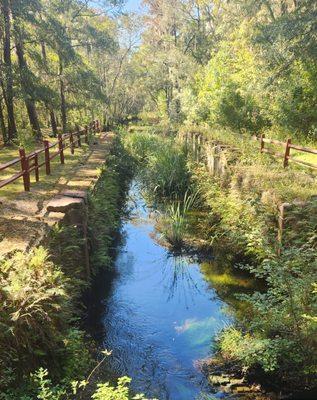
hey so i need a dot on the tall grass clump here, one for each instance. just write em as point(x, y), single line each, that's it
point(174, 223)
point(162, 164)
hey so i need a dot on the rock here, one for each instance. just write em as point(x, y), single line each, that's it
point(63, 204)
point(217, 380)
point(234, 382)
point(243, 389)
point(76, 194)
point(54, 217)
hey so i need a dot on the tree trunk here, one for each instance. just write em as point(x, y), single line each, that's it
point(27, 86)
point(63, 99)
point(3, 127)
point(8, 69)
point(49, 106)
point(53, 122)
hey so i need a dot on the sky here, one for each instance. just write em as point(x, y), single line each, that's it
point(133, 5)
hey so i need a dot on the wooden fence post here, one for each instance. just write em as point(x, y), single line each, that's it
point(262, 143)
point(287, 152)
point(61, 148)
point(281, 216)
point(47, 157)
point(25, 169)
point(36, 165)
point(71, 139)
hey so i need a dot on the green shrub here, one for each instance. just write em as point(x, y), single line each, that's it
point(121, 392)
point(249, 350)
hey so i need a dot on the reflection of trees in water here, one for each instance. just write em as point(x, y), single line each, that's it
point(178, 278)
point(230, 283)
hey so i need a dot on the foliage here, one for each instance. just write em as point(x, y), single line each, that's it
point(46, 390)
point(164, 169)
point(36, 314)
point(278, 336)
point(245, 65)
point(33, 298)
point(121, 392)
point(173, 224)
point(105, 205)
point(61, 63)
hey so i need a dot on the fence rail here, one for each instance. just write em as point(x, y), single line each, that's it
point(30, 162)
point(286, 155)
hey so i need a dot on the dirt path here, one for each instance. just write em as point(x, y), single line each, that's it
point(25, 220)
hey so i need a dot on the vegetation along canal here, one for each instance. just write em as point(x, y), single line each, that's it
point(160, 315)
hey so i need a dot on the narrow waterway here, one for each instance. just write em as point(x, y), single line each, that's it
point(160, 314)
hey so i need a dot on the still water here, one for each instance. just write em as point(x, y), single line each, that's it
point(160, 315)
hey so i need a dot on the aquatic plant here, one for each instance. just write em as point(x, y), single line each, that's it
point(174, 221)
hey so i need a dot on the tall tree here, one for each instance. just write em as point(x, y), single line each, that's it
point(8, 70)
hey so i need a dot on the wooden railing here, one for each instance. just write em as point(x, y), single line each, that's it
point(286, 154)
point(31, 162)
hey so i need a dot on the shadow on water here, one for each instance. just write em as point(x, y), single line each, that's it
point(159, 313)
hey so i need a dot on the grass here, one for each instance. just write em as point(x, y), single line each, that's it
point(175, 220)
point(162, 163)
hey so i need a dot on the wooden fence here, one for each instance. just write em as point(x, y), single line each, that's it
point(198, 139)
point(286, 154)
point(30, 162)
